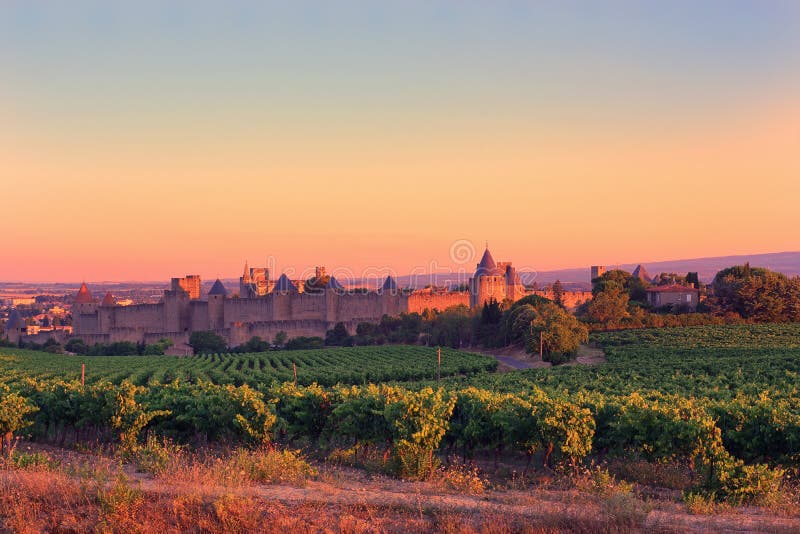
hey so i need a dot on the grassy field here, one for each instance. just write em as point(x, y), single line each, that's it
point(353, 365)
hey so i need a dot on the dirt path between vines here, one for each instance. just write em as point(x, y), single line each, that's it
point(514, 357)
point(588, 355)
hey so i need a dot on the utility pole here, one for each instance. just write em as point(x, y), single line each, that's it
point(294, 367)
point(541, 346)
point(83, 374)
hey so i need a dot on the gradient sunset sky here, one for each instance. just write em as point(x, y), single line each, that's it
point(163, 138)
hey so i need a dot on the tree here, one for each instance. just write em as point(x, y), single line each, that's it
point(487, 330)
point(51, 345)
point(204, 342)
point(280, 339)
point(559, 333)
point(613, 279)
point(558, 293)
point(158, 348)
point(622, 280)
point(305, 342)
point(77, 346)
point(338, 336)
point(452, 327)
point(754, 293)
point(608, 306)
point(254, 344)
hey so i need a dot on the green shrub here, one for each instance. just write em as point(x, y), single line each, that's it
point(14, 412)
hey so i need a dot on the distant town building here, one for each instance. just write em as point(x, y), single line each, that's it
point(673, 295)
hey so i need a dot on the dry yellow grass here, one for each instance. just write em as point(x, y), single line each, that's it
point(222, 494)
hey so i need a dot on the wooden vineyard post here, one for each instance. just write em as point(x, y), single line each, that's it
point(83, 374)
point(541, 346)
point(438, 364)
point(294, 367)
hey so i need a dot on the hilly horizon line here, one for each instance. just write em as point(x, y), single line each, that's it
point(790, 266)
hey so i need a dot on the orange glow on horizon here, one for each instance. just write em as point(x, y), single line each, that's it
point(151, 209)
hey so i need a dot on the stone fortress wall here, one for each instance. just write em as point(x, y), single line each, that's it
point(285, 308)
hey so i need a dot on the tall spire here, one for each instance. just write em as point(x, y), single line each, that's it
point(246, 276)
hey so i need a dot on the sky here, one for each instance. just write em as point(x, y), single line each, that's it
point(156, 139)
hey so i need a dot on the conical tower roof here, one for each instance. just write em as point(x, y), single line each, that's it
point(109, 300)
point(218, 289)
point(284, 285)
point(487, 265)
point(84, 296)
point(641, 273)
point(389, 284)
point(334, 284)
point(246, 275)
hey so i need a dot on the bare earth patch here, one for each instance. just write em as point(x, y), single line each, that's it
point(588, 355)
point(514, 357)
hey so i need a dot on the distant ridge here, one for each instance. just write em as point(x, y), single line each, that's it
point(787, 263)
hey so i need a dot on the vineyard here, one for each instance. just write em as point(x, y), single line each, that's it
point(721, 401)
point(704, 362)
point(354, 365)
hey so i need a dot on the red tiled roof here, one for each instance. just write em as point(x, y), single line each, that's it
point(83, 296)
point(672, 288)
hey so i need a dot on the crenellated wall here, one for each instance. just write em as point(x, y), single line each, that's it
point(149, 317)
point(297, 314)
point(420, 301)
point(570, 299)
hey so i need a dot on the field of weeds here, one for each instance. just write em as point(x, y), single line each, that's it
point(46, 489)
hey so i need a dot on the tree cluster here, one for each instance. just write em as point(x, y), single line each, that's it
point(756, 294)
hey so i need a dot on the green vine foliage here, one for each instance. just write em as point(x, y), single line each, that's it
point(14, 412)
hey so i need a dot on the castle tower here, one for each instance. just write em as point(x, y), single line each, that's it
point(105, 313)
point(177, 307)
point(283, 294)
point(246, 275)
point(333, 290)
point(189, 284)
point(84, 312)
point(597, 271)
point(488, 282)
point(389, 286)
point(216, 306)
point(15, 327)
point(244, 282)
